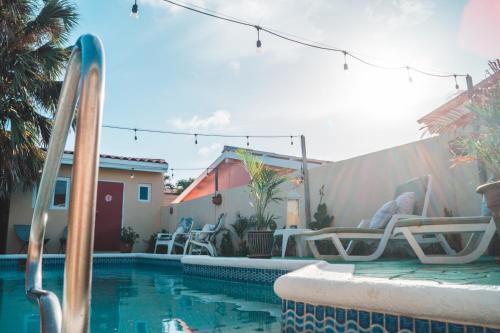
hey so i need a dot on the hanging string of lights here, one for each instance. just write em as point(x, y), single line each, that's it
point(196, 135)
point(305, 42)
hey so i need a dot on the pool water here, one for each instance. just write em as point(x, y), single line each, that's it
point(146, 299)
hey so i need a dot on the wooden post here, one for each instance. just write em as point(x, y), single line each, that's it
point(216, 178)
point(483, 177)
point(305, 173)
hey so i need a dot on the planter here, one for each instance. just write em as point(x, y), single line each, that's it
point(491, 192)
point(126, 247)
point(217, 199)
point(260, 244)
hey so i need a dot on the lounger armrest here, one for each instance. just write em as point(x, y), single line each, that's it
point(197, 232)
point(163, 236)
point(364, 224)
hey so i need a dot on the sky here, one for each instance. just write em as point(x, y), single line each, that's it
point(172, 69)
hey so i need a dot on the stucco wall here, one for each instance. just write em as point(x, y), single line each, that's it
point(234, 201)
point(357, 187)
point(144, 217)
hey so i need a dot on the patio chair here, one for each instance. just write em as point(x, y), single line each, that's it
point(482, 228)
point(178, 238)
point(23, 233)
point(205, 238)
point(421, 187)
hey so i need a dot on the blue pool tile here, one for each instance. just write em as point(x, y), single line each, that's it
point(456, 328)
point(421, 326)
point(330, 312)
point(475, 329)
point(299, 308)
point(438, 327)
point(391, 323)
point(340, 315)
point(320, 313)
point(378, 318)
point(364, 319)
point(290, 305)
point(352, 315)
point(310, 308)
point(406, 323)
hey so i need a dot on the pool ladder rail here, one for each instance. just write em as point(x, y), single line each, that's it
point(82, 95)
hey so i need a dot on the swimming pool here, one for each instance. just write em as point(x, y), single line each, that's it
point(144, 298)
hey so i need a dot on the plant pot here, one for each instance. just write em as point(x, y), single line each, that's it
point(217, 199)
point(491, 192)
point(126, 247)
point(260, 244)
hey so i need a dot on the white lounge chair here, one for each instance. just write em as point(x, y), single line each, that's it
point(205, 238)
point(482, 228)
point(178, 238)
point(420, 186)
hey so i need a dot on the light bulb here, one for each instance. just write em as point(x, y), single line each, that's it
point(135, 11)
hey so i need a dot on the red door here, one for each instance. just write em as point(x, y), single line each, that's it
point(108, 219)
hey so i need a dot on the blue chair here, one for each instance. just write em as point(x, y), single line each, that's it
point(23, 233)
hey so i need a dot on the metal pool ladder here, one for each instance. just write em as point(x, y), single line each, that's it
point(82, 94)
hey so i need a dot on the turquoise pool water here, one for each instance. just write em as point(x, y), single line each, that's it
point(146, 299)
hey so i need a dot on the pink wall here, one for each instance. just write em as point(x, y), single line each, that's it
point(232, 174)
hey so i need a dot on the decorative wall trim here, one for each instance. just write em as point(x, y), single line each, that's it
point(304, 317)
point(238, 274)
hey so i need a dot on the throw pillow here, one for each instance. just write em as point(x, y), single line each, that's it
point(406, 203)
point(383, 215)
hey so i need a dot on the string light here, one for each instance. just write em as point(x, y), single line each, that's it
point(291, 140)
point(248, 143)
point(302, 41)
point(132, 173)
point(135, 10)
point(259, 43)
point(196, 135)
point(135, 134)
point(456, 83)
point(409, 76)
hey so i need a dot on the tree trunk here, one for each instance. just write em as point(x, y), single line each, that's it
point(4, 223)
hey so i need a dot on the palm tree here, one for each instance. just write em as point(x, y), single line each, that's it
point(32, 59)
point(264, 188)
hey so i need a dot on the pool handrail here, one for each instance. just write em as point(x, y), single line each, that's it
point(82, 90)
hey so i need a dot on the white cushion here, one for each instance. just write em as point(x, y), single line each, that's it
point(207, 227)
point(383, 215)
point(406, 202)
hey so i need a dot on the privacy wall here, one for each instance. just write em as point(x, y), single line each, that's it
point(355, 188)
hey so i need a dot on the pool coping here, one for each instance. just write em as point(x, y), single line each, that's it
point(176, 257)
point(324, 284)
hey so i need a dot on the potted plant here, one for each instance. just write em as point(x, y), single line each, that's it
point(128, 238)
point(263, 190)
point(483, 143)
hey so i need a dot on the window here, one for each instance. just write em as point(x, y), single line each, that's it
point(292, 212)
point(144, 193)
point(60, 196)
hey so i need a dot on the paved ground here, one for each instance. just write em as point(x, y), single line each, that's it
point(484, 271)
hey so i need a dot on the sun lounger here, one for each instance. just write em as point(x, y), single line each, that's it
point(421, 187)
point(178, 238)
point(205, 238)
point(482, 229)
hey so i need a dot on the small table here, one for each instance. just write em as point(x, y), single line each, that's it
point(295, 232)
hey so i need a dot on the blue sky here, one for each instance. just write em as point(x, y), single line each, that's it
point(173, 69)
